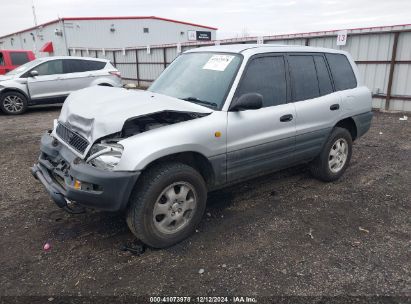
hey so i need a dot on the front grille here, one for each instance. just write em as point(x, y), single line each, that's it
point(76, 141)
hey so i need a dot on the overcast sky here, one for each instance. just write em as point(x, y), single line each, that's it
point(232, 18)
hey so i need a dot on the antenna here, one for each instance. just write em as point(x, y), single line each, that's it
point(34, 13)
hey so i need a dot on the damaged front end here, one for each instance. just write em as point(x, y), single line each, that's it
point(67, 178)
point(74, 170)
point(106, 152)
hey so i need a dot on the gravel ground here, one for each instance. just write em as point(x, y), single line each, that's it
point(284, 234)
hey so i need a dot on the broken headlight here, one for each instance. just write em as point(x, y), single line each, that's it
point(105, 155)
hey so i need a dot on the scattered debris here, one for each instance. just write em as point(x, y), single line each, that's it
point(197, 230)
point(224, 265)
point(50, 299)
point(363, 230)
point(273, 193)
point(284, 271)
point(77, 283)
point(46, 247)
point(135, 247)
point(380, 133)
point(404, 118)
point(201, 271)
point(310, 233)
point(130, 86)
point(208, 214)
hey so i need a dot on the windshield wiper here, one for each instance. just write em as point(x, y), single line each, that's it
point(199, 101)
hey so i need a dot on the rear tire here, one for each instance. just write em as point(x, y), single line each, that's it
point(167, 204)
point(334, 157)
point(13, 103)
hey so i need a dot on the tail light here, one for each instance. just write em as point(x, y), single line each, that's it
point(115, 73)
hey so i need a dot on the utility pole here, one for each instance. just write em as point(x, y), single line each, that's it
point(34, 13)
point(35, 24)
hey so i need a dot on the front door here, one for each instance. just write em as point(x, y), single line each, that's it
point(49, 85)
point(262, 140)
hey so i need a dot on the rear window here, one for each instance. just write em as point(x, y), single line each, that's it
point(341, 71)
point(19, 58)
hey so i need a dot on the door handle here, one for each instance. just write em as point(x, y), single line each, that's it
point(334, 107)
point(287, 117)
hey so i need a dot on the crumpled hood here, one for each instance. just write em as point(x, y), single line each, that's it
point(99, 111)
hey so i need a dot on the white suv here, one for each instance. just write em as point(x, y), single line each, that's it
point(216, 116)
point(52, 79)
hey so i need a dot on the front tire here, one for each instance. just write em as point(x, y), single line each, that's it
point(334, 157)
point(167, 204)
point(13, 103)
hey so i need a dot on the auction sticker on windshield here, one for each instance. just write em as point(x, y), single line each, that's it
point(218, 62)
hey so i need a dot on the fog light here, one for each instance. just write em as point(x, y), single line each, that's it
point(77, 184)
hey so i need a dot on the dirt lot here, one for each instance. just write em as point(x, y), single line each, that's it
point(254, 239)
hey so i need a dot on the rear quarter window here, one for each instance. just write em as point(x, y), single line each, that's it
point(92, 65)
point(341, 71)
point(19, 58)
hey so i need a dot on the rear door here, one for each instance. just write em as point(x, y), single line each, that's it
point(49, 85)
point(259, 141)
point(317, 106)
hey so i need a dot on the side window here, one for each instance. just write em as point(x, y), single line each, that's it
point(341, 71)
point(94, 65)
point(266, 76)
point(78, 65)
point(52, 67)
point(323, 76)
point(74, 66)
point(1, 59)
point(303, 77)
point(19, 58)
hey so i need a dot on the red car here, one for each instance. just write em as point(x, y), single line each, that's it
point(11, 59)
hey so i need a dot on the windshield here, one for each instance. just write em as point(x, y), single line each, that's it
point(202, 78)
point(25, 67)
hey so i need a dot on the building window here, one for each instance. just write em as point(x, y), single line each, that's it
point(24, 40)
point(145, 30)
point(182, 33)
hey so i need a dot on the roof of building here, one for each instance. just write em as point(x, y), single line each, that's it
point(108, 18)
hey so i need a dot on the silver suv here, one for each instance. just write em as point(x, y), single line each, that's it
point(216, 116)
point(52, 79)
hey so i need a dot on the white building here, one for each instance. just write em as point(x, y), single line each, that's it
point(59, 36)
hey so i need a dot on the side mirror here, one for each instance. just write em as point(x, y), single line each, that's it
point(248, 101)
point(34, 73)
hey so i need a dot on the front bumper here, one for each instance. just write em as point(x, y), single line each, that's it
point(58, 168)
